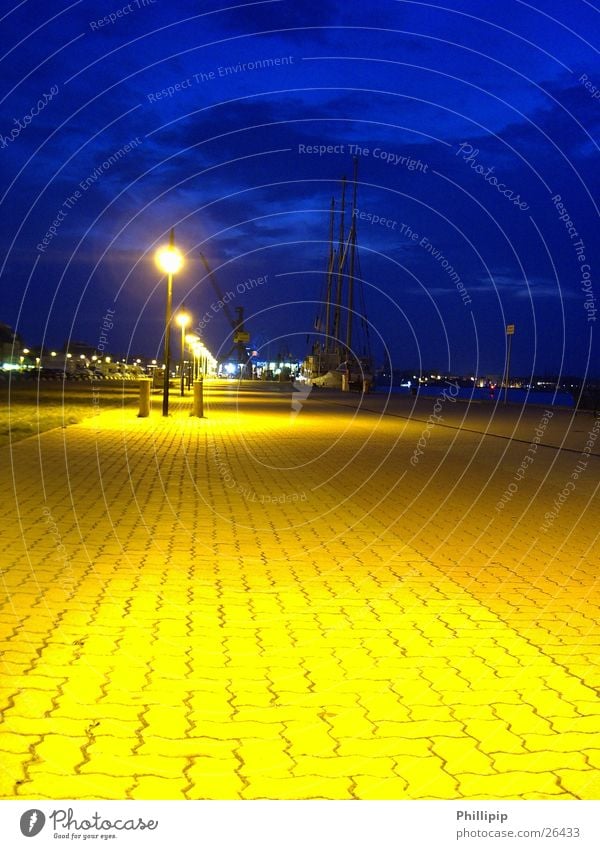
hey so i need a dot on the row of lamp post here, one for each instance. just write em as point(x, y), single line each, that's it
point(170, 260)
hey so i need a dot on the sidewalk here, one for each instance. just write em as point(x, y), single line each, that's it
point(275, 602)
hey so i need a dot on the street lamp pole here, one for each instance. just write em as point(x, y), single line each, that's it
point(183, 319)
point(510, 332)
point(181, 365)
point(166, 355)
point(169, 260)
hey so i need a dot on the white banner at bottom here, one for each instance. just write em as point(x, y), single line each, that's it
point(301, 825)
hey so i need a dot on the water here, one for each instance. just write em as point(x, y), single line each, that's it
point(515, 396)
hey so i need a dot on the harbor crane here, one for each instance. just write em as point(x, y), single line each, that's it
point(241, 337)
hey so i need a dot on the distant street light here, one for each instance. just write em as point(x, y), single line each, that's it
point(182, 318)
point(510, 332)
point(169, 260)
point(192, 341)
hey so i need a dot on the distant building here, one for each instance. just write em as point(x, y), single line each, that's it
point(11, 345)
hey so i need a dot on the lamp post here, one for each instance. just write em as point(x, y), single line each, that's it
point(169, 260)
point(510, 332)
point(197, 348)
point(182, 318)
point(192, 341)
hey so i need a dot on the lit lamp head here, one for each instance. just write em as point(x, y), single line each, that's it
point(191, 339)
point(183, 318)
point(168, 259)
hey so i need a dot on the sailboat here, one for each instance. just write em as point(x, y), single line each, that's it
point(339, 359)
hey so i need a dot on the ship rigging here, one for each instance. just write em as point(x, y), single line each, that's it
point(341, 353)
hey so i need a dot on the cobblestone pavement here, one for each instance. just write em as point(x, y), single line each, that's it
point(278, 602)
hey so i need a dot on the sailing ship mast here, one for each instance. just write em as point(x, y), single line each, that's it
point(330, 265)
point(352, 261)
point(342, 262)
point(340, 276)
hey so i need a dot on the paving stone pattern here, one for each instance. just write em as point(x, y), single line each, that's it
point(272, 602)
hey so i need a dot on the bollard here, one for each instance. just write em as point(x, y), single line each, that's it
point(145, 384)
point(366, 386)
point(198, 405)
point(345, 381)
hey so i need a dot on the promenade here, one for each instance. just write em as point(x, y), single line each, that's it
point(302, 595)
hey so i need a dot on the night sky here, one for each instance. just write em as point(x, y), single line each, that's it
point(235, 126)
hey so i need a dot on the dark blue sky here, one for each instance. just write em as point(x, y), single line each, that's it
point(497, 102)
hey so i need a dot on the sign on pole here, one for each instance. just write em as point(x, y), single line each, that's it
point(510, 329)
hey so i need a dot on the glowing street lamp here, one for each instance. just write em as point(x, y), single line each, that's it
point(182, 318)
point(192, 341)
point(169, 260)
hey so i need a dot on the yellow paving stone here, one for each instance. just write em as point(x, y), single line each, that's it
point(426, 778)
point(59, 754)
point(280, 713)
point(77, 787)
point(264, 757)
point(304, 787)
point(203, 768)
point(33, 703)
point(384, 706)
point(194, 746)
point(81, 692)
point(12, 772)
point(309, 738)
point(464, 712)
point(151, 787)
point(522, 719)
point(348, 722)
point(107, 744)
point(384, 747)
point(509, 785)
point(216, 787)
point(538, 761)
point(423, 729)
point(45, 725)
point(289, 680)
point(546, 796)
point(593, 757)
point(168, 665)
point(253, 698)
point(501, 695)
point(167, 721)
point(17, 744)
point(123, 765)
point(462, 755)
point(367, 787)
point(127, 679)
point(324, 699)
point(493, 736)
point(583, 784)
point(68, 709)
point(567, 741)
point(583, 724)
point(203, 701)
point(233, 730)
point(342, 766)
point(550, 704)
point(438, 713)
